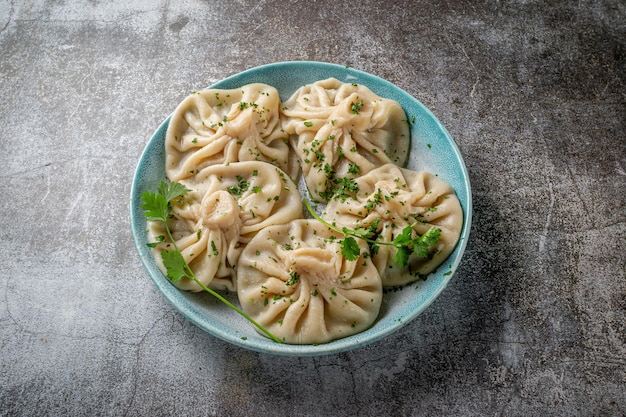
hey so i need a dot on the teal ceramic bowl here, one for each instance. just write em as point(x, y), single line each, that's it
point(432, 149)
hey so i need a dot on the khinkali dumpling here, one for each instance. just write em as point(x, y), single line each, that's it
point(226, 207)
point(221, 126)
point(392, 198)
point(343, 130)
point(293, 280)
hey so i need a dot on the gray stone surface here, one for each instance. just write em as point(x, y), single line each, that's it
point(534, 321)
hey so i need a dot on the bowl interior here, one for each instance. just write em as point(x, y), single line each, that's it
point(432, 149)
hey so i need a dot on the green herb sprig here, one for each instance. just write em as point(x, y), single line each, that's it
point(404, 243)
point(158, 207)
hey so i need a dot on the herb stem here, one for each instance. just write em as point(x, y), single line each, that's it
point(215, 294)
point(238, 310)
point(324, 222)
point(344, 232)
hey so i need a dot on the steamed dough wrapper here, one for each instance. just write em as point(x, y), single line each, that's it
point(207, 242)
point(399, 197)
point(226, 207)
point(343, 130)
point(222, 126)
point(293, 280)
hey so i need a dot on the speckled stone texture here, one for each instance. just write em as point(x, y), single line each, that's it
point(532, 324)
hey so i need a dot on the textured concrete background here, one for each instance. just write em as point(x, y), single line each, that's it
point(533, 323)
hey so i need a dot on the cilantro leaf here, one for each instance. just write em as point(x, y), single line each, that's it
point(404, 238)
point(401, 258)
point(172, 190)
point(362, 232)
point(157, 205)
point(350, 249)
point(366, 233)
point(174, 264)
point(422, 245)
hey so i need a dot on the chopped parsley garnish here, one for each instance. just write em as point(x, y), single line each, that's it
point(241, 187)
point(293, 278)
point(214, 249)
point(338, 187)
point(356, 107)
point(354, 169)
